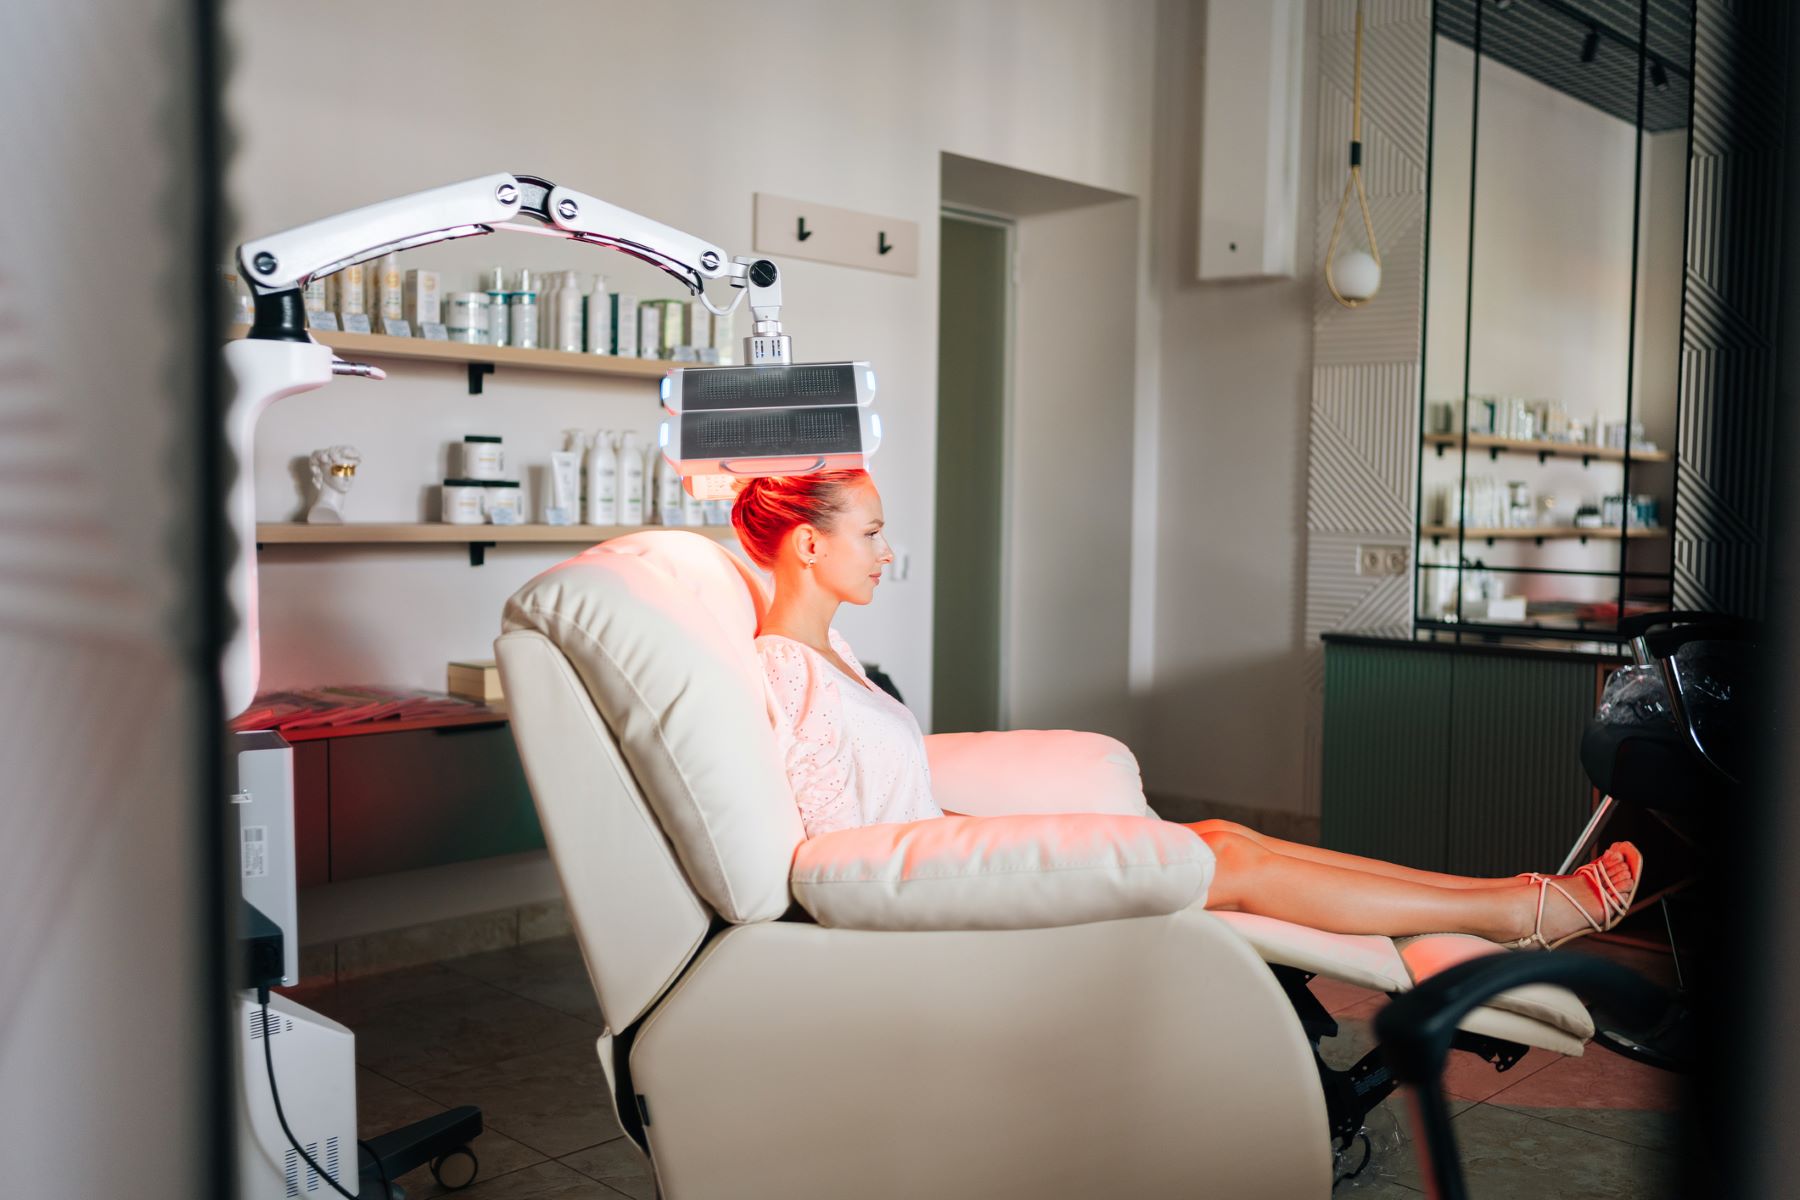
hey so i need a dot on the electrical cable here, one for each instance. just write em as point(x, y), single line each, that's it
point(1354, 184)
point(262, 995)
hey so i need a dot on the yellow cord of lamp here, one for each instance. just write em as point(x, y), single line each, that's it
point(1353, 184)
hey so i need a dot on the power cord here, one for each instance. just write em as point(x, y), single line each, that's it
point(262, 998)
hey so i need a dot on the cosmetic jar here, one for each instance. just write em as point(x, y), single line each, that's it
point(463, 501)
point(505, 503)
point(482, 457)
point(466, 317)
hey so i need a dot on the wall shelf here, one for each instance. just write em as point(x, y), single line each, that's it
point(482, 360)
point(1496, 446)
point(1439, 532)
point(476, 537)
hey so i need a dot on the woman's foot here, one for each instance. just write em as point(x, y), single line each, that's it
point(1560, 908)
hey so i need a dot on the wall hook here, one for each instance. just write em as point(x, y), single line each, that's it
point(803, 232)
point(882, 244)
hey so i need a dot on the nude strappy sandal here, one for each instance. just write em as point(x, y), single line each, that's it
point(1614, 905)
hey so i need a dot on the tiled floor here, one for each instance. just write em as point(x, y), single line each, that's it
point(513, 1032)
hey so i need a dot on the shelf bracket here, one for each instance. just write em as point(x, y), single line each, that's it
point(1493, 454)
point(478, 553)
point(1440, 449)
point(1543, 457)
point(476, 371)
point(1586, 459)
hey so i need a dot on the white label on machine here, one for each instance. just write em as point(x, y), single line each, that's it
point(256, 851)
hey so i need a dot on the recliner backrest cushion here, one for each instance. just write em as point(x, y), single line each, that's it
point(660, 625)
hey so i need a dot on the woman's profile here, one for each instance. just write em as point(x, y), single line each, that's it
point(856, 756)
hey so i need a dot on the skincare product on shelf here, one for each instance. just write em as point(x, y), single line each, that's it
point(461, 502)
point(420, 300)
point(466, 317)
point(568, 314)
point(505, 503)
point(624, 324)
point(602, 480)
point(698, 335)
point(674, 320)
point(521, 307)
point(693, 510)
point(599, 318)
point(718, 512)
point(390, 301)
point(649, 320)
point(499, 323)
point(483, 457)
point(651, 454)
point(630, 480)
point(723, 341)
point(668, 493)
point(352, 287)
point(565, 488)
point(316, 297)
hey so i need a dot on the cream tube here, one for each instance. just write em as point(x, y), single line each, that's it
point(565, 487)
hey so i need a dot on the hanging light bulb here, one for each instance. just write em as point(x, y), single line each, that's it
point(1354, 277)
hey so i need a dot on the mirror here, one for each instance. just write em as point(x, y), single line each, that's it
point(1551, 376)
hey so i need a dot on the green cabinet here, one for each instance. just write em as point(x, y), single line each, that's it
point(1455, 758)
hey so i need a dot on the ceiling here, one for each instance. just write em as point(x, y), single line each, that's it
point(1544, 39)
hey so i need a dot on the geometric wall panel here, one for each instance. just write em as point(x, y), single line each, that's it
point(1731, 307)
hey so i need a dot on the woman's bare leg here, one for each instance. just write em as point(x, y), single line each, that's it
point(1251, 878)
point(1352, 862)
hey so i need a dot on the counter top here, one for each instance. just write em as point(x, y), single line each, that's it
point(1457, 642)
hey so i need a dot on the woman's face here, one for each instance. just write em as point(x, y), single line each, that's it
point(847, 561)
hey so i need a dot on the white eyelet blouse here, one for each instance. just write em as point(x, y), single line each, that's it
point(854, 754)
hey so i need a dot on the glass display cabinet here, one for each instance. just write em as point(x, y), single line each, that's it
point(1550, 397)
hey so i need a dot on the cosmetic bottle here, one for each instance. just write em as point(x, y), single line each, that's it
point(602, 480)
point(568, 314)
point(389, 293)
point(631, 480)
point(624, 324)
point(499, 323)
point(668, 492)
point(521, 308)
point(599, 319)
point(651, 454)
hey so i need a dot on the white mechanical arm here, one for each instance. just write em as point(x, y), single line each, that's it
point(279, 357)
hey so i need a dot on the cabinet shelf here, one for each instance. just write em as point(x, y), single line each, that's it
point(1496, 446)
point(1438, 532)
point(476, 537)
point(481, 360)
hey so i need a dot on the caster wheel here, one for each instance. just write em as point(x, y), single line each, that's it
point(455, 1170)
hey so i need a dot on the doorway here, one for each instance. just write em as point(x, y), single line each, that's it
point(975, 319)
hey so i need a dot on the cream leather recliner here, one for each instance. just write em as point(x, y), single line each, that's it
point(1013, 1004)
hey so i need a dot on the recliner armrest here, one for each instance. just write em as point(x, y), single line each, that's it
point(1017, 771)
point(1010, 872)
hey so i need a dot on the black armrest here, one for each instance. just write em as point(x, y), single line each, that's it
point(1416, 1028)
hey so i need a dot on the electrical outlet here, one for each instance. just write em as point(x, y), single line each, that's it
point(1381, 560)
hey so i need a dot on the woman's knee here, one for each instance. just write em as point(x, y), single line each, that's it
point(1235, 858)
point(1216, 825)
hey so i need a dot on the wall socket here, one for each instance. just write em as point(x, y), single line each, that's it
point(1381, 560)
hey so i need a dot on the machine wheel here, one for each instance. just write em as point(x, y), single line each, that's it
point(451, 1172)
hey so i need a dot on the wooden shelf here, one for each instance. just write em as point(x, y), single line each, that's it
point(484, 358)
point(1496, 446)
point(1552, 533)
point(476, 537)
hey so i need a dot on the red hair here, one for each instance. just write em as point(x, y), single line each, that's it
point(769, 507)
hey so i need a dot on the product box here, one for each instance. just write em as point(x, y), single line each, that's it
point(624, 324)
point(723, 329)
point(421, 299)
point(650, 329)
point(476, 679)
point(699, 326)
point(674, 325)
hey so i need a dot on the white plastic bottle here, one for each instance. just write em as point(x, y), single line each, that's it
point(603, 480)
point(599, 319)
point(631, 480)
point(499, 321)
point(522, 308)
point(568, 314)
point(693, 511)
point(668, 492)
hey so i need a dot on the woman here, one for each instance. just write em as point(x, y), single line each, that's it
point(855, 756)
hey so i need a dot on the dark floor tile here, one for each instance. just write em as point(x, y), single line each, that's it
point(1338, 997)
point(545, 1181)
point(554, 1101)
point(550, 972)
point(348, 1000)
point(476, 1024)
point(1466, 1077)
point(618, 1164)
point(1507, 1155)
point(383, 1105)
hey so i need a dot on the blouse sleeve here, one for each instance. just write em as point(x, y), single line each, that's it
point(808, 716)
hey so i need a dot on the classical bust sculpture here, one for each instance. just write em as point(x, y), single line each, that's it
point(333, 474)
